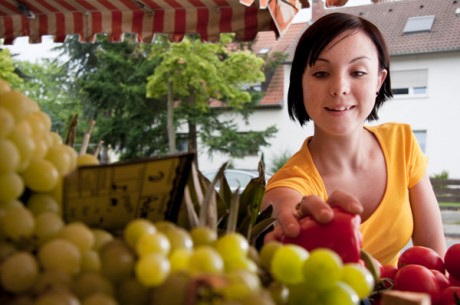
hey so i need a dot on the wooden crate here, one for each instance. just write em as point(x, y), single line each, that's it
point(394, 297)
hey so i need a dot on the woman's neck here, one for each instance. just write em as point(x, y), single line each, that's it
point(333, 153)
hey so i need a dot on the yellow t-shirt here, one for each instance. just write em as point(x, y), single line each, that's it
point(390, 227)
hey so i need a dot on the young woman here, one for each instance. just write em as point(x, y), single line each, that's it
point(340, 77)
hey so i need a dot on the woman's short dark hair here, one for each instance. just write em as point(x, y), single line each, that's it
point(313, 41)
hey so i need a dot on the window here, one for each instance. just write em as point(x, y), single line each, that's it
point(419, 24)
point(421, 138)
point(409, 82)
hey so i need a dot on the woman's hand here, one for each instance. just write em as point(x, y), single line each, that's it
point(288, 214)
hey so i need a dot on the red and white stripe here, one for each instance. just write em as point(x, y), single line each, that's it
point(87, 18)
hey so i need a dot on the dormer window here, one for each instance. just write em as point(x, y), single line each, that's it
point(419, 24)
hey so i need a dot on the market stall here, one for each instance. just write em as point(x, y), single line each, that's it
point(102, 212)
point(208, 18)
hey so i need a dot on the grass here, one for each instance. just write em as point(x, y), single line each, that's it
point(449, 205)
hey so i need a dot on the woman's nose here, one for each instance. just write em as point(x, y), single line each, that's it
point(339, 86)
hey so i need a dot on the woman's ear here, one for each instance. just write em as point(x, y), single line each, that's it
point(382, 76)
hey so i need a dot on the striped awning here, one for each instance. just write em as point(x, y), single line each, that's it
point(87, 18)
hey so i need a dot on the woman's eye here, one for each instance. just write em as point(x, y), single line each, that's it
point(359, 73)
point(320, 74)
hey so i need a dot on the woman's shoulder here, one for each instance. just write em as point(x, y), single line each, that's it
point(390, 129)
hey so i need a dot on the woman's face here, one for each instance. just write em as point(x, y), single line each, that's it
point(339, 90)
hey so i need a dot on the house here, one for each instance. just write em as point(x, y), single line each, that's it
point(423, 37)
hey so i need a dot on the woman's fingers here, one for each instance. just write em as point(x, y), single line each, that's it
point(345, 201)
point(288, 216)
point(315, 207)
point(288, 223)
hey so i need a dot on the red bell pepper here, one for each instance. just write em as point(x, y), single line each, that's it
point(341, 235)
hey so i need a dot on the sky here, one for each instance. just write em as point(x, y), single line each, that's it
point(36, 52)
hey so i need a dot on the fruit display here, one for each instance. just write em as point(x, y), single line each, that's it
point(422, 270)
point(209, 256)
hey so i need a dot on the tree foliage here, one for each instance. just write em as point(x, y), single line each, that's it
point(47, 83)
point(199, 74)
point(111, 79)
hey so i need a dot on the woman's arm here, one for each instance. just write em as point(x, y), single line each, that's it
point(428, 229)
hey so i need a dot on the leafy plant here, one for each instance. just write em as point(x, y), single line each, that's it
point(226, 211)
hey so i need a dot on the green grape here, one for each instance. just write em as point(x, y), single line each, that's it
point(136, 228)
point(40, 175)
point(253, 254)
point(173, 291)
point(286, 264)
point(179, 259)
point(11, 186)
point(57, 297)
point(18, 104)
point(203, 235)
point(42, 202)
point(41, 147)
point(45, 118)
point(232, 245)
point(60, 157)
point(99, 298)
point(47, 226)
point(237, 263)
point(56, 193)
point(301, 294)
point(24, 142)
point(56, 138)
point(19, 272)
point(4, 86)
point(73, 156)
point(79, 234)
point(131, 292)
point(101, 237)
point(153, 243)
point(358, 278)
point(179, 238)
point(266, 253)
point(18, 222)
point(205, 259)
point(7, 122)
point(279, 292)
point(51, 280)
point(49, 139)
point(262, 297)
point(152, 269)
point(10, 157)
point(117, 260)
point(241, 283)
point(322, 269)
point(87, 159)
point(164, 225)
point(87, 283)
point(341, 294)
point(38, 122)
point(61, 255)
point(91, 261)
point(5, 205)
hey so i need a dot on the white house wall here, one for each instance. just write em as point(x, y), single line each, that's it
point(438, 113)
